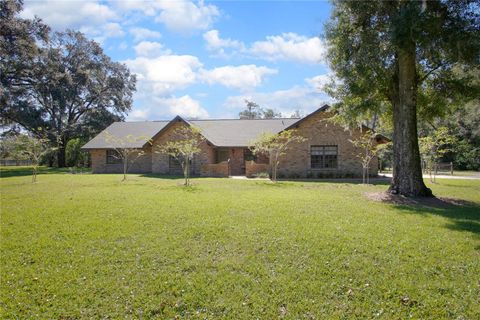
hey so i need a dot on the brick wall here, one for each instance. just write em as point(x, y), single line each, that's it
point(251, 168)
point(99, 162)
point(214, 169)
point(160, 162)
point(319, 131)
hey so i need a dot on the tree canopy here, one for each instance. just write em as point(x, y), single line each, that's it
point(403, 60)
point(59, 85)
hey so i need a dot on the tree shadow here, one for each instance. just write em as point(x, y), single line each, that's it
point(463, 215)
point(8, 172)
point(373, 181)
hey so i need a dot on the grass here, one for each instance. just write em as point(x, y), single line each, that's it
point(88, 246)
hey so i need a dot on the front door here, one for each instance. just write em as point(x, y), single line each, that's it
point(237, 163)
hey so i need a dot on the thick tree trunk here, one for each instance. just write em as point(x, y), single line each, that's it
point(61, 161)
point(407, 171)
point(61, 152)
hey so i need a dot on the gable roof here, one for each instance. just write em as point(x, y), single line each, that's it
point(121, 130)
point(218, 132)
point(239, 132)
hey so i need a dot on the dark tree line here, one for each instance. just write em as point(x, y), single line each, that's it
point(57, 85)
point(254, 111)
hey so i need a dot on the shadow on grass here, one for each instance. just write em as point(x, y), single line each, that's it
point(8, 172)
point(373, 181)
point(462, 215)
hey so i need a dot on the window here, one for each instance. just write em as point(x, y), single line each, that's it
point(223, 154)
point(323, 157)
point(113, 157)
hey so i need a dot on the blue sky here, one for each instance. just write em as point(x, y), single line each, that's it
point(203, 59)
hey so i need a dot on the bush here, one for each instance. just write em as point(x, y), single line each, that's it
point(294, 175)
point(467, 157)
point(261, 175)
point(75, 156)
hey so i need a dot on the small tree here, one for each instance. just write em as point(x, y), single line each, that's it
point(124, 150)
point(28, 148)
point(434, 147)
point(183, 147)
point(367, 144)
point(275, 145)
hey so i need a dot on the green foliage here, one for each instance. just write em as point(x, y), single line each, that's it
point(232, 249)
point(467, 156)
point(400, 60)
point(365, 37)
point(124, 149)
point(275, 146)
point(368, 149)
point(66, 86)
point(183, 146)
point(435, 146)
point(254, 111)
point(25, 147)
point(76, 157)
point(385, 154)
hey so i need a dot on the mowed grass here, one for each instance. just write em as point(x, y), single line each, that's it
point(89, 246)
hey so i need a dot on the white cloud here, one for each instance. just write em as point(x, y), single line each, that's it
point(113, 29)
point(138, 115)
point(61, 15)
point(179, 16)
point(186, 16)
point(150, 49)
point(319, 82)
point(140, 34)
point(290, 46)
point(184, 106)
point(304, 98)
point(164, 74)
point(214, 42)
point(242, 77)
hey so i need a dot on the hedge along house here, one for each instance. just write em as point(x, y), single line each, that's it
point(326, 151)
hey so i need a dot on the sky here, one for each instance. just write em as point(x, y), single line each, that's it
point(202, 59)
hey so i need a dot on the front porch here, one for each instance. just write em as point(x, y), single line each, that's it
point(235, 162)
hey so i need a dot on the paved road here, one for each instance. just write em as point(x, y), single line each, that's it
point(438, 176)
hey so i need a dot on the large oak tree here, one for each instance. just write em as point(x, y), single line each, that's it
point(65, 88)
point(405, 60)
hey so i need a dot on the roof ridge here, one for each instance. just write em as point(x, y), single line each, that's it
point(243, 119)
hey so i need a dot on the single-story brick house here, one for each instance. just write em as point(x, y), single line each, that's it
point(327, 150)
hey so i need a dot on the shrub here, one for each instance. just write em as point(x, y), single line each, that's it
point(261, 175)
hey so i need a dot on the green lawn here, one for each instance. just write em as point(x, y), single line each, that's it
point(88, 246)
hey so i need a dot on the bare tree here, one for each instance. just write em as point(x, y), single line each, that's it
point(28, 147)
point(184, 145)
point(366, 142)
point(275, 145)
point(124, 150)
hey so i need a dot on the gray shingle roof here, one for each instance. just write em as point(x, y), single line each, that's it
point(239, 133)
point(146, 129)
point(221, 132)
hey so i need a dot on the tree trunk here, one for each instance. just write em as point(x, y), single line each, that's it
point(61, 156)
point(61, 152)
point(407, 172)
